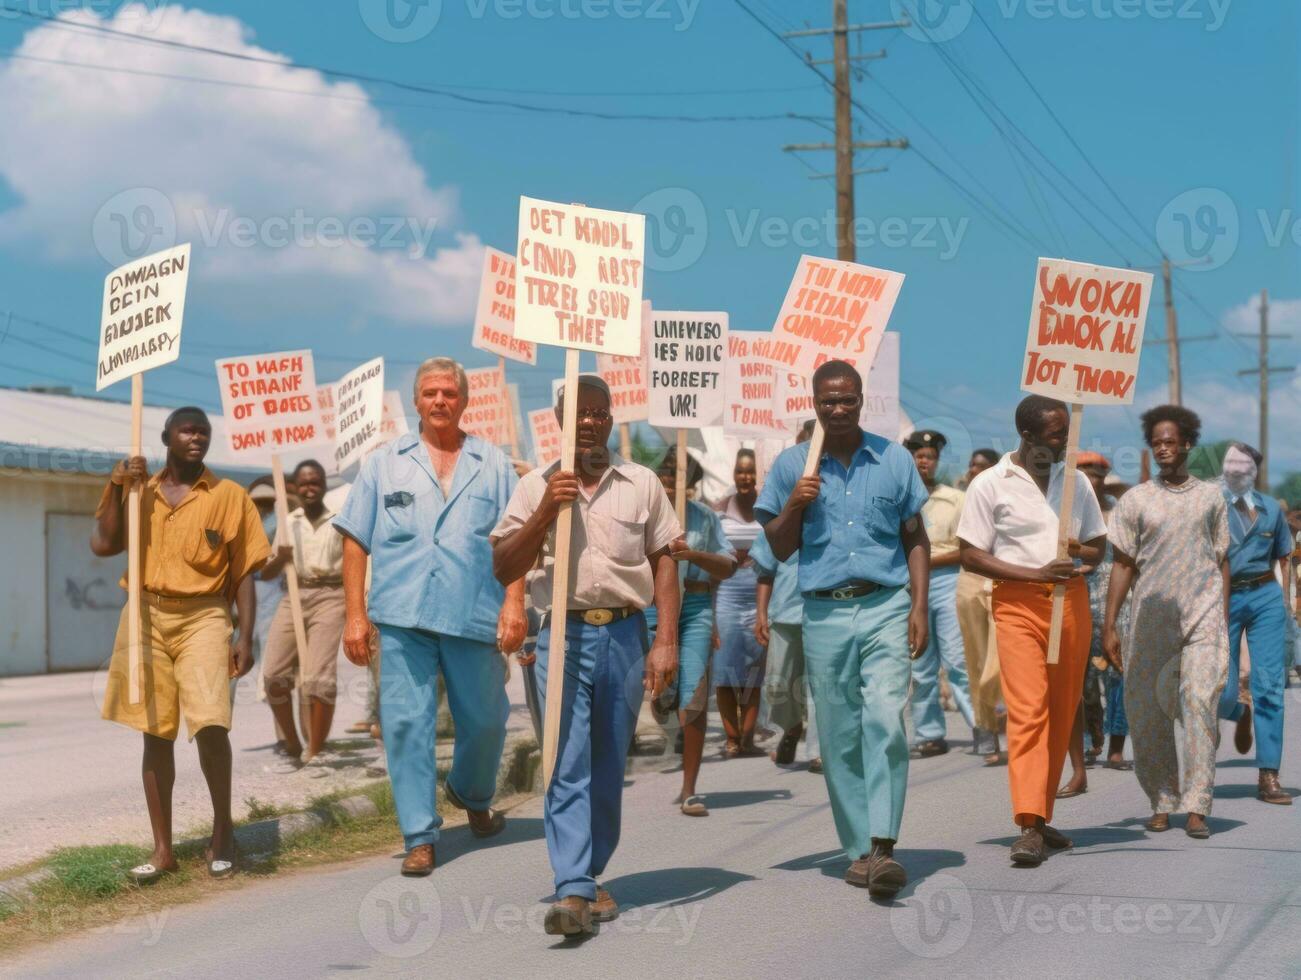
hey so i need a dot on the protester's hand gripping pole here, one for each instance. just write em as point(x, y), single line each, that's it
point(135, 679)
point(1064, 524)
point(560, 580)
point(291, 570)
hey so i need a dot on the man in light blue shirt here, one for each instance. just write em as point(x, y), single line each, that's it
point(864, 563)
point(421, 508)
point(1260, 539)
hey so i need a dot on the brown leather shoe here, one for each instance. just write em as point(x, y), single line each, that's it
point(1055, 840)
point(1242, 731)
point(1268, 789)
point(483, 823)
point(569, 917)
point(859, 871)
point(605, 908)
point(885, 875)
point(1028, 849)
point(419, 861)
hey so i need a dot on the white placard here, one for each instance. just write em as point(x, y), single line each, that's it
point(544, 430)
point(140, 321)
point(359, 412)
point(578, 277)
point(494, 322)
point(749, 385)
point(269, 403)
point(1086, 332)
point(627, 377)
point(793, 399)
point(487, 410)
point(686, 352)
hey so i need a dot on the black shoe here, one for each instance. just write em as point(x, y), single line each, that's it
point(931, 747)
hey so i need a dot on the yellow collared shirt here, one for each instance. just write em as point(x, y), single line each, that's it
point(205, 545)
point(941, 513)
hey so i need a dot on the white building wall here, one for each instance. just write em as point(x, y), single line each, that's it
point(25, 498)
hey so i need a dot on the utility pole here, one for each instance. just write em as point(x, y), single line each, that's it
point(845, 145)
point(1264, 371)
point(1172, 341)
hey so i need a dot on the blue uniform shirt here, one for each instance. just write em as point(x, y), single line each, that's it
point(786, 605)
point(1253, 551)
point(704, 533)
point(851, 532)
point(431, 563)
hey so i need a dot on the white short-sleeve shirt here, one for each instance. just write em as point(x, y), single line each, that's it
point(1006, 514)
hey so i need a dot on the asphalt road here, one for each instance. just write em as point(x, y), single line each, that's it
point(755, 890)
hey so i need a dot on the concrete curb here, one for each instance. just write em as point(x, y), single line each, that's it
point(520, 772)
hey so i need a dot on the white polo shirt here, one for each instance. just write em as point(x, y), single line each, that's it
point(1007, 515)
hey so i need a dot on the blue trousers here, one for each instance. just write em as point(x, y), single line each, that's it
point(945, 648)
point(695, 647)
point(1262, 614)
point(602, 698)
point(1114, 719)
point(856, 652)
point(410, 661)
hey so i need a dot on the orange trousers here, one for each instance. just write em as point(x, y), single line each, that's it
point(1041, 698)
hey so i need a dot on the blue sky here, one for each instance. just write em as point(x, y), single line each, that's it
point(1188, 108)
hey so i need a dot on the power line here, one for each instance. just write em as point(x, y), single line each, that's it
point(444, 92)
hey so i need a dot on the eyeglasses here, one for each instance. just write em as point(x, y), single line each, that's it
point(595, 414)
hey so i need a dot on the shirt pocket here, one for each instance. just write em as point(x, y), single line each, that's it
point(482, 517)
point(882, 517)
point(205, 551)
point(624, 540)
point(399, 516)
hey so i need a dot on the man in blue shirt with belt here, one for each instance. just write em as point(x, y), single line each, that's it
point(421, 509)
point(1259, 539)
point(864, 567)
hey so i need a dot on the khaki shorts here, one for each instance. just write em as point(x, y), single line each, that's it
point(323, 616)
point(185, 659)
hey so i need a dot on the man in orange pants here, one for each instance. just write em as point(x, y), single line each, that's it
point(1008, 533)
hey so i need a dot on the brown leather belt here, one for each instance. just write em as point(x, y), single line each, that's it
point(1247, 584)
point(698, 588)
point(601, 617)
point(321, 583)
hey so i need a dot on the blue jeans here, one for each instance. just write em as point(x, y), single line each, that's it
point(1262, 614)
point(602, 698)
point(1114, 719)
point(856, 653)
point(945, 648)
point(410, 661)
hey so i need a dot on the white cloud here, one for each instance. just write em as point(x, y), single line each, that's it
point(100, 159)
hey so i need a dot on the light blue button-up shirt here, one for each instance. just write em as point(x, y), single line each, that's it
point(851, 532)
point(431, 562)
point(1253, 551)
point(786, 605)
point(704, 533)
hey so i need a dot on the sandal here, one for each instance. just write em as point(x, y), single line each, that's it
point(816, 765)
point(147, 874)
point(693, 806)
point(1124, 765)
point(1065, 793)
point(731, 750)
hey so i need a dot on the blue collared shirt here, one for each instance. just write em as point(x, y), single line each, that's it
point(851, 532)
point(704, 533)
point(786, 605)
point(431, 563)
point(1253, 551)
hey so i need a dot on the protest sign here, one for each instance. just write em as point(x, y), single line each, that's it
point(1086, 332)
point(487, 409)
point(626, 377)
point(578, 277)
point(140, 321)
point(269, 402)
point(494, 322)
point(359, 410)
point(544, 430)
point(686, 352)
point(325, 405)
point(793, 396)
point(836, 309)
point(750, 382)
point(393, 421)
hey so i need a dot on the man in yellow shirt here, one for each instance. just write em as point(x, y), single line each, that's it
point(200, 537)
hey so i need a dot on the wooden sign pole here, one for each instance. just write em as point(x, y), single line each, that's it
point(680, 480)
point(625, 441)
point(511, 428)
point(291, 570)
point(560, 579)
point(815, 450)
point(135, 679)
point(1064, 522)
